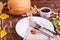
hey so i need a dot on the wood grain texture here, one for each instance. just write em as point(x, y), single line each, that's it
point(53, 4)
point(12, 35)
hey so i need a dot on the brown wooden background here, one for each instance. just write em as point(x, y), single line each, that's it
point(12, 35)
point(54, 4)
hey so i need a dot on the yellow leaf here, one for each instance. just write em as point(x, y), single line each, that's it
point(4, 16)
point(59, 22)
point(0, 28)
point(3, 33)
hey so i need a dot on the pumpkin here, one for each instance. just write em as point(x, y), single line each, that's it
point(18, 7)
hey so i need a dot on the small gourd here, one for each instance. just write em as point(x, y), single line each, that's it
point(18, 7)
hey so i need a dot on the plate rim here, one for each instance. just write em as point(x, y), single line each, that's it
point(26, 18)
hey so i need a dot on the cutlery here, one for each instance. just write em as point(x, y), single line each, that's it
point(38, 27)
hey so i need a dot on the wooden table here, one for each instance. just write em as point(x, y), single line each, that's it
point(11, 32)
point(12, 35)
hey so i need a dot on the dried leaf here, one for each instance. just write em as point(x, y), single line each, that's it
point(3, 33)
point(4, 16)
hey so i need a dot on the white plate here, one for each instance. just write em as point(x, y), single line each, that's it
point(23, 24)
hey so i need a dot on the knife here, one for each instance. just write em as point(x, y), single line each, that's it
point(38, 27)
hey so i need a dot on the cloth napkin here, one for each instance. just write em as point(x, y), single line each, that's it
point(39, 35)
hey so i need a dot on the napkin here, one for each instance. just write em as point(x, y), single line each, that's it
point(39, 35)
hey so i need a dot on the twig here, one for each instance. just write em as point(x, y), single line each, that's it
point(29, 13)
point(9, 29)
point(10, 34)
point(4, 4)
point(38, 10)
point(34, 12)
point(2, 22)
point(10, 24)
point(35, 8)
point(5, 27)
